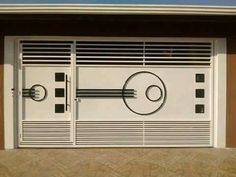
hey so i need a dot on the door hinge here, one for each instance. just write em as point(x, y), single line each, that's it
point(12, 91)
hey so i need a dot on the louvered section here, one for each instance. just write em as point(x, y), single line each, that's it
point(45, 133)
point(95, 53)
point(143, 133)
point(181, 53)
point(102, 133)
point(109, 53)
point(46, 52)
point(177, 133)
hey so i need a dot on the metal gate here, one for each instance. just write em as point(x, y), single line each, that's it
point(87, 92)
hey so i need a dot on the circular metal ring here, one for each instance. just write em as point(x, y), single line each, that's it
point(147, 91)
point(32, 96)
point(125, 85)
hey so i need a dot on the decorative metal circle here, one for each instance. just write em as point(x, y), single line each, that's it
point(32, 96)
point(156, 104)
point(148, 91)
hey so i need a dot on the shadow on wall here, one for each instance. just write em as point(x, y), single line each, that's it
point(117, 25)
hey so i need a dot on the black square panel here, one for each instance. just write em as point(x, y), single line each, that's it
point(199, 108)
point(200, 77)
point(59, 77)
point(200, 93)
point(59, 92)
point(59, 108)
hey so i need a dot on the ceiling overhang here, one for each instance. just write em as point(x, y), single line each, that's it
point(116, 9)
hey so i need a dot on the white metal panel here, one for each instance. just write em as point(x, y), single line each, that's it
point(45, 110)
point(180, 94)
point(175, 74)
point(172, 66)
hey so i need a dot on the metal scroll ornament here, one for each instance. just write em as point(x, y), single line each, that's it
point(37, 93)
point(151, 93)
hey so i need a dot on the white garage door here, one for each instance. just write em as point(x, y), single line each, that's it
point(87, 92)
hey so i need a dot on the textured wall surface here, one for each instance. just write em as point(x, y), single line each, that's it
point(231, 93)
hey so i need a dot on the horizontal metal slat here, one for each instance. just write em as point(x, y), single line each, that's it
point(45, 41)
point(45, 57)
point(43, 132)
point(153, 133)
point(109, 133)
point(45, 144)
point(46, 52)
point(177, 54)
point(26, 53)
point(42, 48)
point(177, 133)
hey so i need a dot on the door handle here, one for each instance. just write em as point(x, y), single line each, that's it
point(66, 91)
point(66, 94)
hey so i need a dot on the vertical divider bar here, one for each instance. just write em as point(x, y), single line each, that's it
point(18, 48)
point(73, 92)
point(212, 93)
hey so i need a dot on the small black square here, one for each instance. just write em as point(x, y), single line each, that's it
point(59, 92)
point(199, 108)
point(59, 77)
point(59, 108)
point(200, 77)
point(200, 93)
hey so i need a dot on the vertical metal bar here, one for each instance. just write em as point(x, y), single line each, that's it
point(18, 89)
point(73, 92)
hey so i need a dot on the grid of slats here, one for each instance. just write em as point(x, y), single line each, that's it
point(141, 53)
point(46, 52)
point(46, 132)
point(177, 133)
point(181, 53)
point(109, 53)
point(111, 133)
point(143, 133)
point(117, 53)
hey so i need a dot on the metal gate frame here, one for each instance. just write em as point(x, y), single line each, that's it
point(10, 68)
